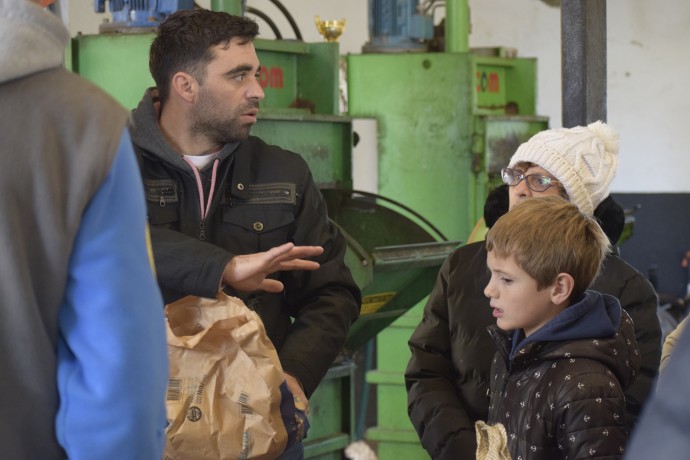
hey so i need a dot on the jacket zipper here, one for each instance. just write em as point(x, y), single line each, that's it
point(202, 230)
point(163, 193)
point(504, 355)
point(200, 188)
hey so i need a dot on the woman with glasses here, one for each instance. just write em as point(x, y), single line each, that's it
point(447, 376)
point(536, 179)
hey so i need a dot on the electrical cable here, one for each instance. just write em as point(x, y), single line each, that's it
point(267, 20)
point(289, 18)
point(394, 202)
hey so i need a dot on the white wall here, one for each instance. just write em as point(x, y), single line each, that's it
point(647, 65)
point(649, 94)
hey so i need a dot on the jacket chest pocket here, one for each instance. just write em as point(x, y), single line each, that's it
point(262, 220)
point(257, 228)
point(162, 201)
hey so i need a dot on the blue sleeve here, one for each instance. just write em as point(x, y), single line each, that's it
point(112, 356)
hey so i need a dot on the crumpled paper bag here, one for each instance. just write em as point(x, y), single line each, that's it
point(224, 392)
point(492, 441)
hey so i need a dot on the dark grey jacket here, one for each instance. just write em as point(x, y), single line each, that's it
point(264, 196)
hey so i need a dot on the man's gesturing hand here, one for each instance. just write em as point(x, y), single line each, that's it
point(248, 272)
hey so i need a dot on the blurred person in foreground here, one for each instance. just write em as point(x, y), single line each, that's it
point(82, 338)
point(662, 431)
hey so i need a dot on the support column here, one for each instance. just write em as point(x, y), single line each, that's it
point(234, 7)
point(457, 31)
point(583, 61)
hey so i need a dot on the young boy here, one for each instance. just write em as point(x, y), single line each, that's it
point(565, 354)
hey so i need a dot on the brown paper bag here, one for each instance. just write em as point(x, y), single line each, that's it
point(223, 397)
point(492, 441)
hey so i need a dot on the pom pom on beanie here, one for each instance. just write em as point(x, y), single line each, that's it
point(583, 159)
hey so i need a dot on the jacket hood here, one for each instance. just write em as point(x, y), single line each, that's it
point(32, 39)
point(609, 213)
point(594, 315)
point(595, 328)
point(147, 134)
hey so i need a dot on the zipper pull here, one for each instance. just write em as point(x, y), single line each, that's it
point(202, 230)
point(164, 192)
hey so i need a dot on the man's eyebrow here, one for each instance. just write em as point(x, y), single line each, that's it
point(240, 69)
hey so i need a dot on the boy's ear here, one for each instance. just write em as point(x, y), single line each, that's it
point(185, 86)
point(562, 288)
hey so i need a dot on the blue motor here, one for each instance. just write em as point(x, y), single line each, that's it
point(139, 15)
point(397, 26)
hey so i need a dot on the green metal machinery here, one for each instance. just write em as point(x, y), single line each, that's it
point(448, 122)
point(292, 71)
point(443, 129)
point(444, 135)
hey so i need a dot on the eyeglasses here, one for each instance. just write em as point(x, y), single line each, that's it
point(535, 182)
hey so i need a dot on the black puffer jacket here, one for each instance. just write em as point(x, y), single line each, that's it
point(447, 376)
point(559, 393)
point(263, 196)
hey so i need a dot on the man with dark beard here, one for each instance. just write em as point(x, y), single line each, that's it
point(217, 195)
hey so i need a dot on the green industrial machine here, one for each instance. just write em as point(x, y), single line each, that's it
point(448, 122)
point(443, 129)
point(393, 252)
point(292, 71)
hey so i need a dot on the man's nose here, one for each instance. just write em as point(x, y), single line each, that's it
point(255, 91)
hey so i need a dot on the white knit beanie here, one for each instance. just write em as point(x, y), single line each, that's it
point(583, 159)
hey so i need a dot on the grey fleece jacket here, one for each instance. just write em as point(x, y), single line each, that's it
point(82, 338)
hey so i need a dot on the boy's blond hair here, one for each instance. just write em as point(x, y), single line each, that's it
point(547, 236)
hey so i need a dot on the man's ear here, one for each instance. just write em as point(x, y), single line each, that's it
point(185, 86)
point(562, 288)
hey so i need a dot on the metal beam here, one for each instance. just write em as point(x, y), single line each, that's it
point(457, 32)
point(235, 7)
point(583, 61)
